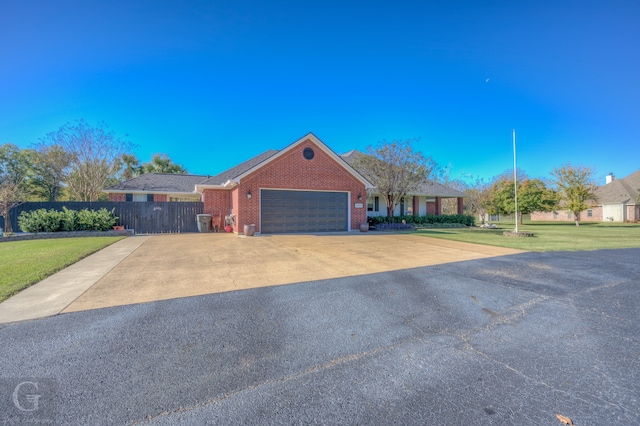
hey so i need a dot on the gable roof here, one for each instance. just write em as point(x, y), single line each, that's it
point(233, 176)
point(191, 184)
point(232, 173)
point(427, 188)
point(159, 183)
point(623, 190)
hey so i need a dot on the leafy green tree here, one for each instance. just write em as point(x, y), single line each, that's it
point(533, 195)
point(161, 163)
point(395, 169)
point(130, 166)
point(50, 170)
point(576, 188)
point(15, 170)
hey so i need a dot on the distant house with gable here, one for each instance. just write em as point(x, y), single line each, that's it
point(617, 202)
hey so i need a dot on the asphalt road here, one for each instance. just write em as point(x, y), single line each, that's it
point(508, 340)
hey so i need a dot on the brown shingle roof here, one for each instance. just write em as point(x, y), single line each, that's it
point(160, 182)
point(623, 190)
point(236, 171)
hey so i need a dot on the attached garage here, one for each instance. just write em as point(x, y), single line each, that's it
point(284, 211)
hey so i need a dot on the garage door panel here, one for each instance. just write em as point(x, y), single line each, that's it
point(303, 211)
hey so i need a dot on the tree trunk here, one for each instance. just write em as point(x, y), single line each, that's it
point(7, 220)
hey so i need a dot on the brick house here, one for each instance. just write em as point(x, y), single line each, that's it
point(617, 202)
point(305, 187)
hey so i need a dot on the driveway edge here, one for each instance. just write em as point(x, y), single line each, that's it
point(53, 294)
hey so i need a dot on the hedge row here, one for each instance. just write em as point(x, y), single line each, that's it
point(429, 220)
point(43, 220)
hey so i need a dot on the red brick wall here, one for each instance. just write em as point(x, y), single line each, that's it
point(293, 171)
point(217, 202)
point(562, 216)
point(234, 208)
point(159, 197)
point(431, 207)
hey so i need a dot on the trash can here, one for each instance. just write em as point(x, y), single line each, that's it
point(204, 223)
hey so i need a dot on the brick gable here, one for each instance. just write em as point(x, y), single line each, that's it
point(292, 171)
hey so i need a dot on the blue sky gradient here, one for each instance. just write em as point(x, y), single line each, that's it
point(213, 83)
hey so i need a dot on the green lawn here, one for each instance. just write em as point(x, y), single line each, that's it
point(23, 263)
point(548, 236)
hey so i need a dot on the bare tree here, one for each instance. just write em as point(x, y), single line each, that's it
point(478, 198)
point(96, 153)
point(395, 169)
point(576, 188)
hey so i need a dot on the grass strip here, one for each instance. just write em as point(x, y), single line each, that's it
point(548, 236)
point(23, 263)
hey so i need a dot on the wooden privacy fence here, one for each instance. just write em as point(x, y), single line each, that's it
point(143, 217)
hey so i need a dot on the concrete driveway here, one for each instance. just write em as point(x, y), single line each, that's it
point(173, 266)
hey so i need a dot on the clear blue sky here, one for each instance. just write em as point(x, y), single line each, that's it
point(212, 83)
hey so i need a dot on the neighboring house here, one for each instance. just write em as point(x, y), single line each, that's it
point(617, 202)
point(157, 187)
point(305, 187)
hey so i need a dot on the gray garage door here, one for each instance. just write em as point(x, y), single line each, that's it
point(303, 211)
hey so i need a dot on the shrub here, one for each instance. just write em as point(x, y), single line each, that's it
point(43, 220)
point(40, 220)
point(394, 227)
point(69, 219)
point(429, 220)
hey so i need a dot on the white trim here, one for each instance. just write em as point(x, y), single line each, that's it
point(199, 189)
point(141, 191)
point(193, 195)
point(349, 228)
point(322, 146)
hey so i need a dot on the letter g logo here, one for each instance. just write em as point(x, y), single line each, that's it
point(31, 399)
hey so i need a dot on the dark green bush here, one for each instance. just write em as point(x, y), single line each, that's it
point(43, 220)
point(426, 220)
point(69, 220)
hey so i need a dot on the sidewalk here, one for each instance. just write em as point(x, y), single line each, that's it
point(51, 295)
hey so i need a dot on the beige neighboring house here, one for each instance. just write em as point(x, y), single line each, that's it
point(617, 202)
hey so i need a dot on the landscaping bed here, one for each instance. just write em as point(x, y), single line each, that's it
point(71, 234)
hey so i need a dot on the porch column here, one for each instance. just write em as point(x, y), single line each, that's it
point(438, 206)
point(460, 205)
point(416, 205)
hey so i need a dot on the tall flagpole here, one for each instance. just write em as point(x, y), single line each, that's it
point(515, 179)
